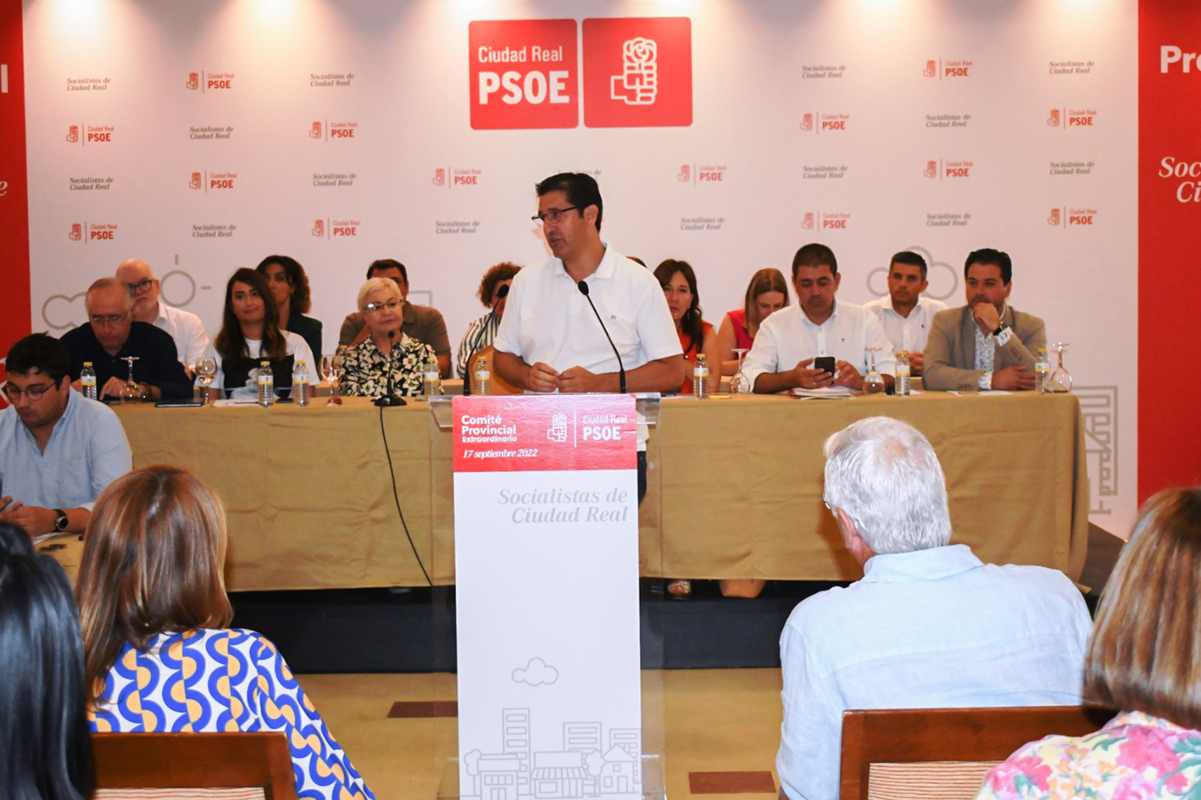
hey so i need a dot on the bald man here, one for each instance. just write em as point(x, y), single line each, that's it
point(191, 340)
point(111, 333)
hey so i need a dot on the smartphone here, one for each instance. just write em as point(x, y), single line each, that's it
point(178, 404)
point(824, 362)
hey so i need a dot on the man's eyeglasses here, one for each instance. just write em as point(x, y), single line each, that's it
point(139, 287)
point(108, 319)
point(34, 391)
point(390, 305)
point(552, 215)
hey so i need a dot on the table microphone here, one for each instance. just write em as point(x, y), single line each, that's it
point(390, 399)
point(621, 370)
point(501, 293)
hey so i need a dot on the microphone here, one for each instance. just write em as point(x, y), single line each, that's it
point(501, 294)
point(390, 399)
point(621, 370)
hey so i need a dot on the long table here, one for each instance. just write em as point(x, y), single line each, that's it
point(734, 485)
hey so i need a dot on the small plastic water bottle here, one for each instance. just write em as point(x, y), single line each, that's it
point(902, 373)
point(700, 377)
point(482, 374)
point(300, 383)
point(431, 378)
point(1041, 368)
point(87, 380)
point(266, 381)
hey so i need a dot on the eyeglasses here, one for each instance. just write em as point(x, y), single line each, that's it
point(109, 319)
point(552, 215)
point(390, 305)
point(140, 286)
point(34, 391)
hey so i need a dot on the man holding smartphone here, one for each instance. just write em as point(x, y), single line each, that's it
point(819, 342)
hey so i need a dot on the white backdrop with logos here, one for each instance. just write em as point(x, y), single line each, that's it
point(203, 136)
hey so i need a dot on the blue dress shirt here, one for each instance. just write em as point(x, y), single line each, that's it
point(926, 629)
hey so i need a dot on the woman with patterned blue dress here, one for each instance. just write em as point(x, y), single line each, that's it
point(158, 655)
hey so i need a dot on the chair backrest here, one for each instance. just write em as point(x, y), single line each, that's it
point(944, 752)
point(179, 765)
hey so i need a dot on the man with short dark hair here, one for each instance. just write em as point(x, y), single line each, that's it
point(929, 625)
point(986, 344)
point(904, 313)
point(184, 327)
point(58, 449)
point(423, 323)
point(791, 339)
point(111, 334)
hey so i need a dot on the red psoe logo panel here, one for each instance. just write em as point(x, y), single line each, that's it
point(637, 72)
point(523, 74)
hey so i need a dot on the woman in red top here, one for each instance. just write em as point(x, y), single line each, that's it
point(766, 293)
point(696, 336)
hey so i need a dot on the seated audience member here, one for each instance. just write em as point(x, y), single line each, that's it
point(493, 292)
point(423, 323)
point(111, 334)
point(388, 360)
point(184, 327)
point(696, 336)
point(790, 339)
point(45, 749)
point(928, 626)
point(58, 449)
point(154, 615)
point(250, 333)
point(289, 287)
point(904, 313)
point(1144, 658)
point(986, 344)
point(765, 294)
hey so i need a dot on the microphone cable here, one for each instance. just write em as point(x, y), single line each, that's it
point(621, 370)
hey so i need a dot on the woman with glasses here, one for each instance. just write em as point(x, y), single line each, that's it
point(289, 287)
point(388, 361)
point(250, 333)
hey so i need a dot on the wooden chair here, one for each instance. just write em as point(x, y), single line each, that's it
point(944, 753)
point(192, 765)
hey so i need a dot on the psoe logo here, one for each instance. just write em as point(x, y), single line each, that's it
point(317, 130)
point(1068, 118)
point(947, 68)
point(825, 221)
point(1172, 57)
point(209, 81)
point(439, 178)
point(91, 232)
point(701, 173)
point(333, 131)
point(89, 134)
point(942, 169)
point(212, 181)
point(685, 173)
point(3, 188)
point(816, 122)
point(1068, 217)
point(454, 178)
point(335, 228)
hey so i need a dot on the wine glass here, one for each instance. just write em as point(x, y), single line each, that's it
point(873, 382)
point(1060, 380)
point(206, 370)
point(331, 367)
point(133, 389)
point(737, 382)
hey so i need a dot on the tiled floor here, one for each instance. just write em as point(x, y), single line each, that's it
point(717, 729)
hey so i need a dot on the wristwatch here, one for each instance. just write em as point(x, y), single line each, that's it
point(60, 520)
point(999, 329)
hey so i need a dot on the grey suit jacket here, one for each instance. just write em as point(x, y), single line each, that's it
point(951, 347)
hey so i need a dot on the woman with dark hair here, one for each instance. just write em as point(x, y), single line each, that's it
point(289, 287)
point(766, 293)
point(154, 613)
point(45, 752)
point(250, 333)
point(1144, 658)
point(696, 336)
point(493, 291)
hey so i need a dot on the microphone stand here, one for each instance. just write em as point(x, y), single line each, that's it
point(390, 399)
point(621, 370)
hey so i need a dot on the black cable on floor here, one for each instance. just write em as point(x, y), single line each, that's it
point(396, 496)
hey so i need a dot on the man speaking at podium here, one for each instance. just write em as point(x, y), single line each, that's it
point(589, 319)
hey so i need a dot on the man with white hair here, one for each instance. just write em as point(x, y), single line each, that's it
point(928, 626)
point(144, 287)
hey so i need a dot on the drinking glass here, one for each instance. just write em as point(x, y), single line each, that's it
point(873, 381)
point(206, 370)
point(1060, 380)
point(331, 367)
point(737, 382)
point(133, 390)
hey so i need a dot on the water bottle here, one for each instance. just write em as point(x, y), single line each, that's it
point(300, 383)
point(87, 380)
point(902, 373)
point(431, 378)
point(700, 377)
point(482, 374)
point(1041, 368)
point(266, 381)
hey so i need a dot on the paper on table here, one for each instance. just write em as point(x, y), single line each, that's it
point(825, 393)
point(235, 402)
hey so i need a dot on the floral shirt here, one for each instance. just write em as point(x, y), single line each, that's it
point(1134, 757)
point(365, 368)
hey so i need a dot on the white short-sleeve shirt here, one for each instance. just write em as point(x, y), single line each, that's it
point(906, 333)
point(788, 337)
point(297, 347)
point(191, 339)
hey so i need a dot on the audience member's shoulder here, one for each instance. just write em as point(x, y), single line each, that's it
point(825, 609)
point(74, 335)
point(877, 304)
point(1024, 320)
point(1036, 578)
point(152, 333)
point(422, 313)
point(95, 410)
point(948, 316)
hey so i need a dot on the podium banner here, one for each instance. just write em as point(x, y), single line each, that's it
point(546, 562)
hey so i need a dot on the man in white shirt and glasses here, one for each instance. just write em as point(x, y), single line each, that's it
point(904, 313)
point(550, 339)
point(786, 349)
point(144, 287)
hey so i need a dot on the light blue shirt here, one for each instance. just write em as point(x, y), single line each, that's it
point(927, 629)
point(87, 451)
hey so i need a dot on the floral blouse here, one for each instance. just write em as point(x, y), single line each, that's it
point(1134, 757)
point(214, 680)
point(365, 368)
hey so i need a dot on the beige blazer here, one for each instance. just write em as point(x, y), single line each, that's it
point(951, 347)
